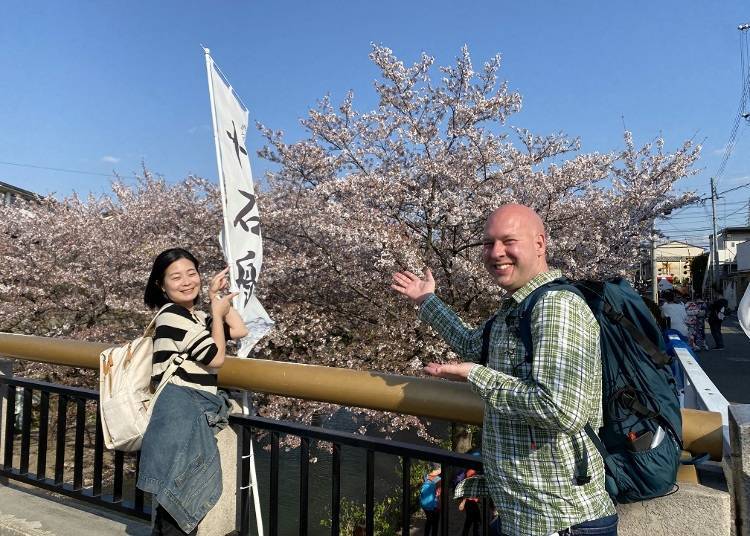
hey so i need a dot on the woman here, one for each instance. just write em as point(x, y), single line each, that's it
point(676, 313)
point(697, 312)
point(180, 462)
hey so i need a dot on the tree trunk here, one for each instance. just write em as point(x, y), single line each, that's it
point(461, 437)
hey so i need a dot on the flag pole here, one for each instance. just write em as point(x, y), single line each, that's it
point(222, 185)
point(246, 404)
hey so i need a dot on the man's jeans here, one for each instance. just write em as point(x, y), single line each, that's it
point(604, 526)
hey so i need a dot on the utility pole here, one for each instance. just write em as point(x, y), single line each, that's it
point(714, 241)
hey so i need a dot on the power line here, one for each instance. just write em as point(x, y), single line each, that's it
point(745, 81)
point(63, 170)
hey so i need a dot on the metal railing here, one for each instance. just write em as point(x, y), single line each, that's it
point(407, 453)
point(449, 401)
point(105, 490)
point(698, 391)
point(118, 492)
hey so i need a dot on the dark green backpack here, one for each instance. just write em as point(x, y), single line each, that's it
point(640, 400)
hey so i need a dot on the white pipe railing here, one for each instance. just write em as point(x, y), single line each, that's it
point(699, 392)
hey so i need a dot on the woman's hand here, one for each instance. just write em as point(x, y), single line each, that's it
point(218, 283)
point(220, 306)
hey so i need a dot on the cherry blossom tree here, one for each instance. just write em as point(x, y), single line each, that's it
point(410, 183)
point(405, 185)
point(76, 267)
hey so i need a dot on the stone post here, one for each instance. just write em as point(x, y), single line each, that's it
point(221, 519)
point(739, 434)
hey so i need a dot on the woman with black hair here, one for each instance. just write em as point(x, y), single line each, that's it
point(179, 461)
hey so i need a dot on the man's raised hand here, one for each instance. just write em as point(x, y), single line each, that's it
point(449, 371)
point(414, 288)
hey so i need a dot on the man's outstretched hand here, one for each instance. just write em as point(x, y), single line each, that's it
point(449, 371)
point(414, 288)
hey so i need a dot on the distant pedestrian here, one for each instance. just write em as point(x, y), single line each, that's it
point(716, 314)
point(676, 313)
point(470, 506)
point(697, 312)
point(429, 500)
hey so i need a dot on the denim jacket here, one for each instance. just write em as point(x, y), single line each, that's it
point(180, 462)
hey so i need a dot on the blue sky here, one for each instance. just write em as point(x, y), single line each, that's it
point(101, 86)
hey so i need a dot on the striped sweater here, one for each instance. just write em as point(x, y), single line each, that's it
point(175, 327)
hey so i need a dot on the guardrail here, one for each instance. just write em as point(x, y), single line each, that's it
point(449, 401)
point(117, 492)
point(403, 508)
point(699, 392)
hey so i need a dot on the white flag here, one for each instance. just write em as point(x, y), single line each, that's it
point(743, 312)
point(241, 235)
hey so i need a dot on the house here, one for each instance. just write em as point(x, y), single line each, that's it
point(733, 246)
point(9, 194)
point(673, 260)
point(737, 280)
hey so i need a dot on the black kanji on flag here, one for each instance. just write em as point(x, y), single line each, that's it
point(247, 275)
point(243, 218)
point(237, 147)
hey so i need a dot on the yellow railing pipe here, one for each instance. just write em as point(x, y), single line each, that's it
point(437, 399)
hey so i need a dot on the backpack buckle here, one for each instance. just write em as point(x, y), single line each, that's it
point(612, 313)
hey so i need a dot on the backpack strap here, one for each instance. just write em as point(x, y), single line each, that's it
point(173, 366)
point(526, 307)
point(523, 313)
point(659, 358)
point(151, 328)
point(171, 371)
point(486, 340)
point(594, 437)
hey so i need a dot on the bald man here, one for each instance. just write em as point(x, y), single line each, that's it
point(533, 436)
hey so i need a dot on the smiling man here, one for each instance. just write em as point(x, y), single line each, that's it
point(536, 409)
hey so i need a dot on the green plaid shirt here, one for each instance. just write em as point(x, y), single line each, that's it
point(533, 439)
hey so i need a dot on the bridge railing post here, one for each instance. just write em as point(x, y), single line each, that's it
point(739, 483)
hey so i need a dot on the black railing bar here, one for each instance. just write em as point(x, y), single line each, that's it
point(370, 494)
point(10, 426)
point(62, 419)
point(98, 456)
point(445, 474)
point(26, 430)
point(118, 479)
point(405, 496)
point(84, 495)
point(336, 490)
point(380, 445)
point(41, 451)
point(273, 518)
point(52, 387)
point(78, 444)
point(304, 483)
